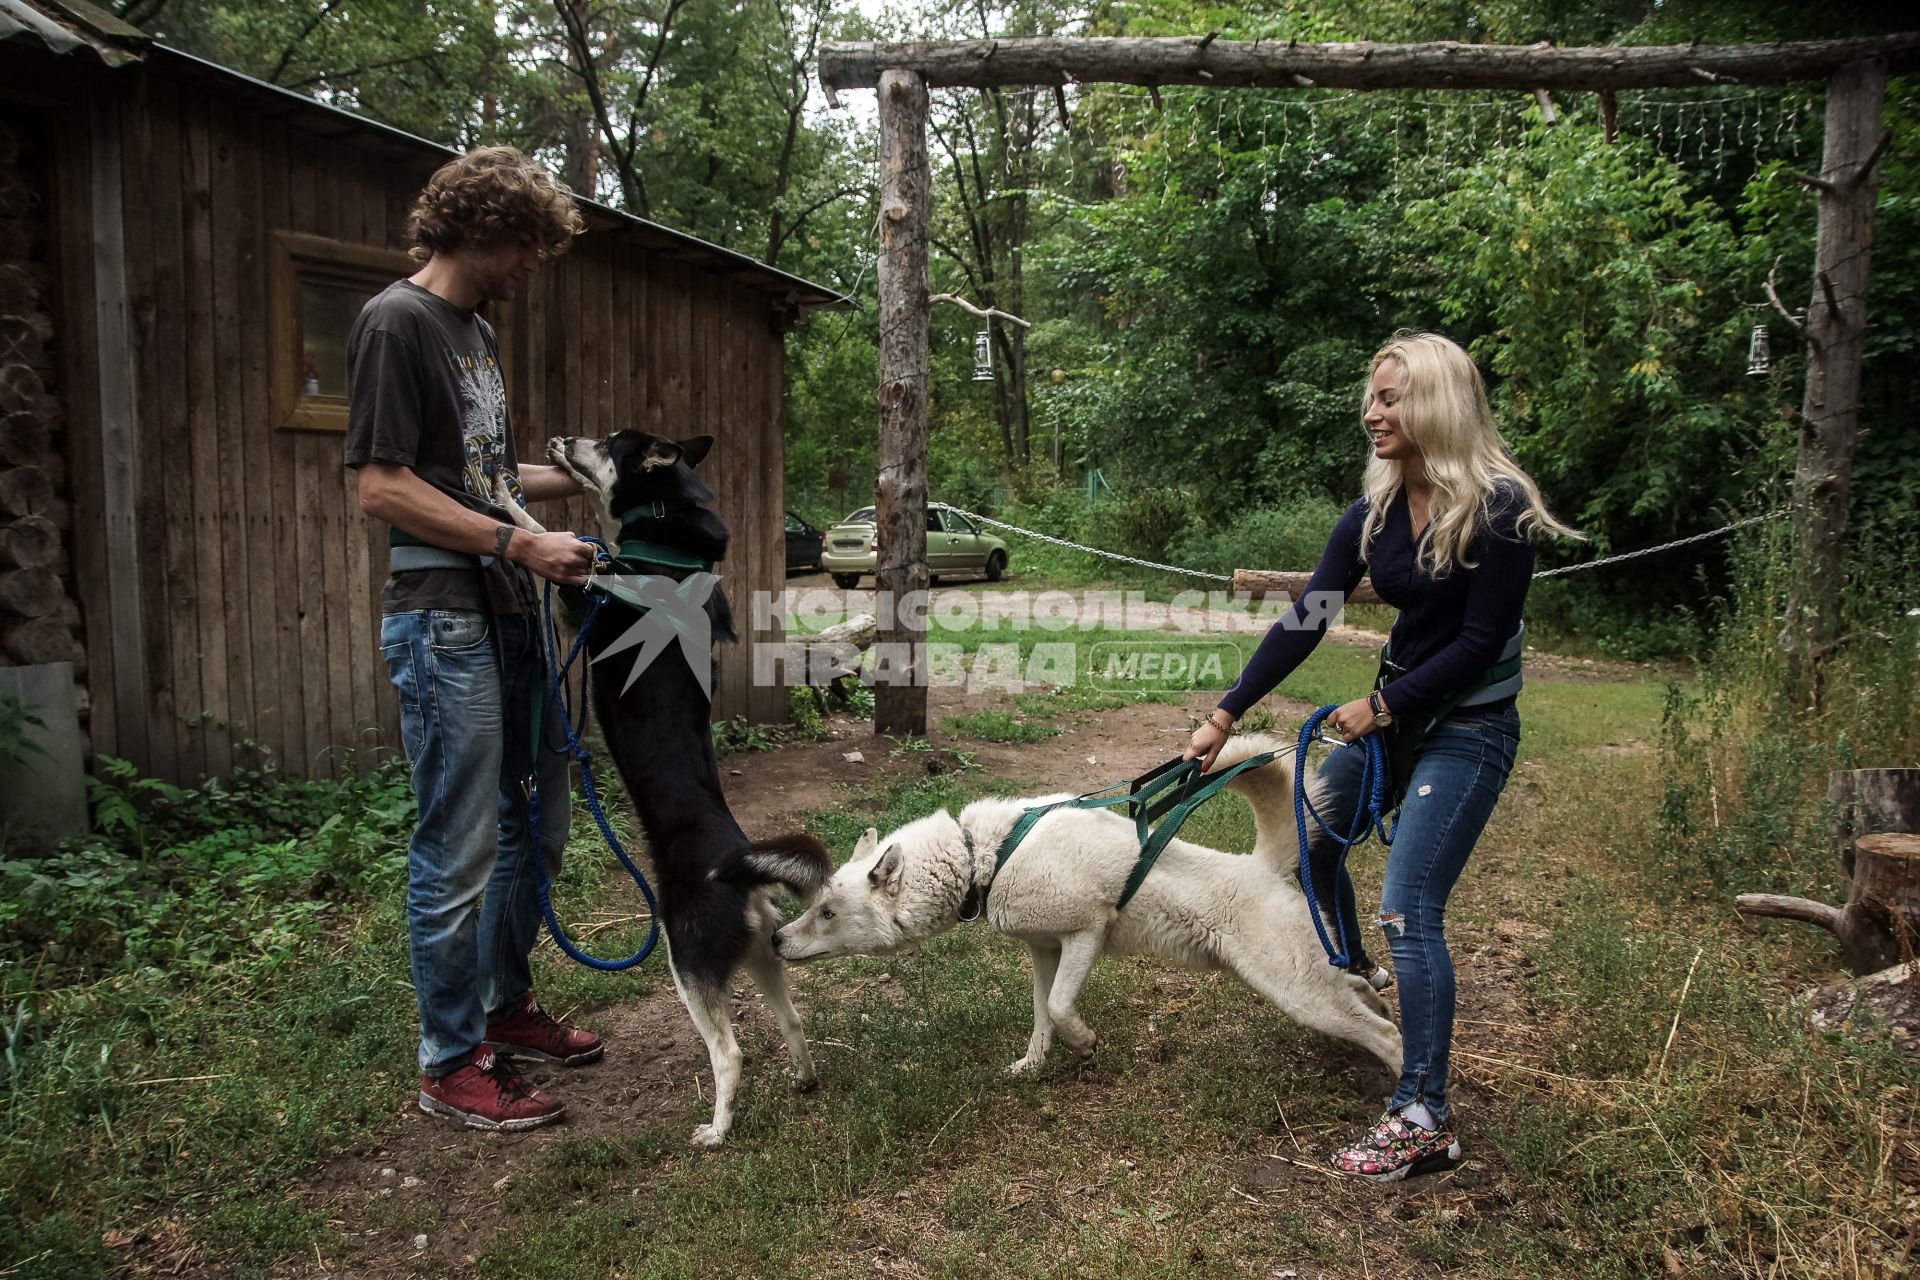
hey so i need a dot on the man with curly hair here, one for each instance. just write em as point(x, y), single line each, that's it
point(430, 443)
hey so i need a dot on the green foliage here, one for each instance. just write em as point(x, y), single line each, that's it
point(999, 725)
point(1282, 537)
point(16, 743)
point(1745, 757)
point(233, 873)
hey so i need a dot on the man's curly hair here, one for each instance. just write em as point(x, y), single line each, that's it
point(488, 197)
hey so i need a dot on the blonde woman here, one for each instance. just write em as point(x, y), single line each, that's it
point(1445, 529)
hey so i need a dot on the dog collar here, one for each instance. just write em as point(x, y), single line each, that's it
point(974, 904)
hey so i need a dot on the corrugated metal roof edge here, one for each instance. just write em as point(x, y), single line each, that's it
point(802, 293)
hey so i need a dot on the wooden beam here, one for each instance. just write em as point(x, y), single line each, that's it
point(900, 486)
point(1258, 584)
point(1835, 330)
point(1444, 64)
point(119, 441)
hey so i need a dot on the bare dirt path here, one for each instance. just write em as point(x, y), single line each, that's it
point(423, 1180)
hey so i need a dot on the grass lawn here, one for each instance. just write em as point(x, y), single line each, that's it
point(1636, 1096)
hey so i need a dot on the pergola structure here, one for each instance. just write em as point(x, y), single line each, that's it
point(1833, 328)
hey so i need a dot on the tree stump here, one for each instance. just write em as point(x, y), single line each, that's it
point(1866, 801)
point(1880, 925)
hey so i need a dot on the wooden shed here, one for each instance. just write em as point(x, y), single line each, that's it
point(181, 248)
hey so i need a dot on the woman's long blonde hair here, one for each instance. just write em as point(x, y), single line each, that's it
point(1445, 414)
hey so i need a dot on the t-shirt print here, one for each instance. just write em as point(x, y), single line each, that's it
point(483, 427)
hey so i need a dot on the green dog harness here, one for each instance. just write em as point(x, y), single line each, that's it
point(1167, 794)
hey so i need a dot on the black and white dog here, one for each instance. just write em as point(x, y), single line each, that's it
point(714, 884)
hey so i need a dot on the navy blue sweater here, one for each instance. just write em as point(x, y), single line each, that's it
point(1450, 629)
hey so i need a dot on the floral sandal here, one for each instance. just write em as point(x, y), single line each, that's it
point(1397, 1148)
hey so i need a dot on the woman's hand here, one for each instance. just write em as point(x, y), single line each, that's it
point(1210, 737)
point(1351, 721)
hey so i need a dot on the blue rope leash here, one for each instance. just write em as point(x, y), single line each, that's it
point(574, 746)
point(1369, 818)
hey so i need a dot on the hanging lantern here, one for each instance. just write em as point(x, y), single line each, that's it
point(982, 357)
point(1759, 357)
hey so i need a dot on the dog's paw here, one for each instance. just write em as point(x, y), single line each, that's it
point(1025, 1066)
point(1083, 1046)
point(708, 1138)
point(805, 1082)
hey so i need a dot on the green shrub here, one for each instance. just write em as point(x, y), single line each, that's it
point(1291, 537)
point(1746, 750)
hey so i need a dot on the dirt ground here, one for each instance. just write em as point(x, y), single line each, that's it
point(424, 1178)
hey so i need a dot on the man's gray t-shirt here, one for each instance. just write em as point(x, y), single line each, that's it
point(424, 391)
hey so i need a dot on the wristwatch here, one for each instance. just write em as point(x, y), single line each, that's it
point(1381, 716)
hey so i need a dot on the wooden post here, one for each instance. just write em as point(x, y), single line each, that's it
point(1836, 327)
point(900, 487)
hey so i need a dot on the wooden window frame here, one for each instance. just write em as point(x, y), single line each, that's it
point(297, 255)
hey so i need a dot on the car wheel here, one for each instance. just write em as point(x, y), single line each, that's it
point(846, 581)
point(996, 566)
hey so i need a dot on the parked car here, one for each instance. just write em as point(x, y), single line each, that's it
point(804, 544)
point(954, 546)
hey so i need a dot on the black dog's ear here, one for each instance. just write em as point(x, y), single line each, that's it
point(695, 449)
point(660, 453)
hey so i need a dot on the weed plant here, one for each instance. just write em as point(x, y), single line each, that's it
point(1746, 748)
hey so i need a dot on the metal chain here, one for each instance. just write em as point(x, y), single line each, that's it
point(1665, 546)
point(1222, 577)
point(1092, 551)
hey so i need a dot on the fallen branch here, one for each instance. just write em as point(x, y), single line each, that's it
point(987, 314)
point(1678, 1005)
point(1780, 907)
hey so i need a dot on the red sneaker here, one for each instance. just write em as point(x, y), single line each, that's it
point(488, 1093)
point(529, 1032)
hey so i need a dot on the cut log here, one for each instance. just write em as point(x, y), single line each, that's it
point(39, 640)
point(31, 542)
point(1889, 999)
point(1880, 925)
point(24, 491)
point(30, 593)
point(1444, 64)
point(21, 389)
point(1869, 801)
point(25, 441)
point(1261, 583)
point(23, 340)
point(828, 655)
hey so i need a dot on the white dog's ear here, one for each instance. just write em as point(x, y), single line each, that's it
point(867, 841)
point(886, 873)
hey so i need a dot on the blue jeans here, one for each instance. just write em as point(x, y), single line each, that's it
point(467, 682)
point(1458, 772)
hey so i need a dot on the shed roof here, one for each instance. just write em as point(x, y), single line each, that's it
point(72, 26)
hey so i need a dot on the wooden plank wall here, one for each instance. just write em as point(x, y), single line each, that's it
point(260, 580)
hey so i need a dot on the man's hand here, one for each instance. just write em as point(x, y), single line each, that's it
point(557, 557)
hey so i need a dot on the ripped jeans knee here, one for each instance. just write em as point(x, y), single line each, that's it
point(1392, 923)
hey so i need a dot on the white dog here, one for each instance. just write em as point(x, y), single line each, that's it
point(1201, 907)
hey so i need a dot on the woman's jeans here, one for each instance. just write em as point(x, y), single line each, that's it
point(467, 684)
point(1458, 772)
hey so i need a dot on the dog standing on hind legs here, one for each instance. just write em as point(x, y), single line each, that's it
point(714, 885)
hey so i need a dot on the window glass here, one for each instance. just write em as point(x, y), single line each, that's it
point(327, 310)
point(958, 524)
point(933, 520)
point(863, 516)
point(794, 525)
